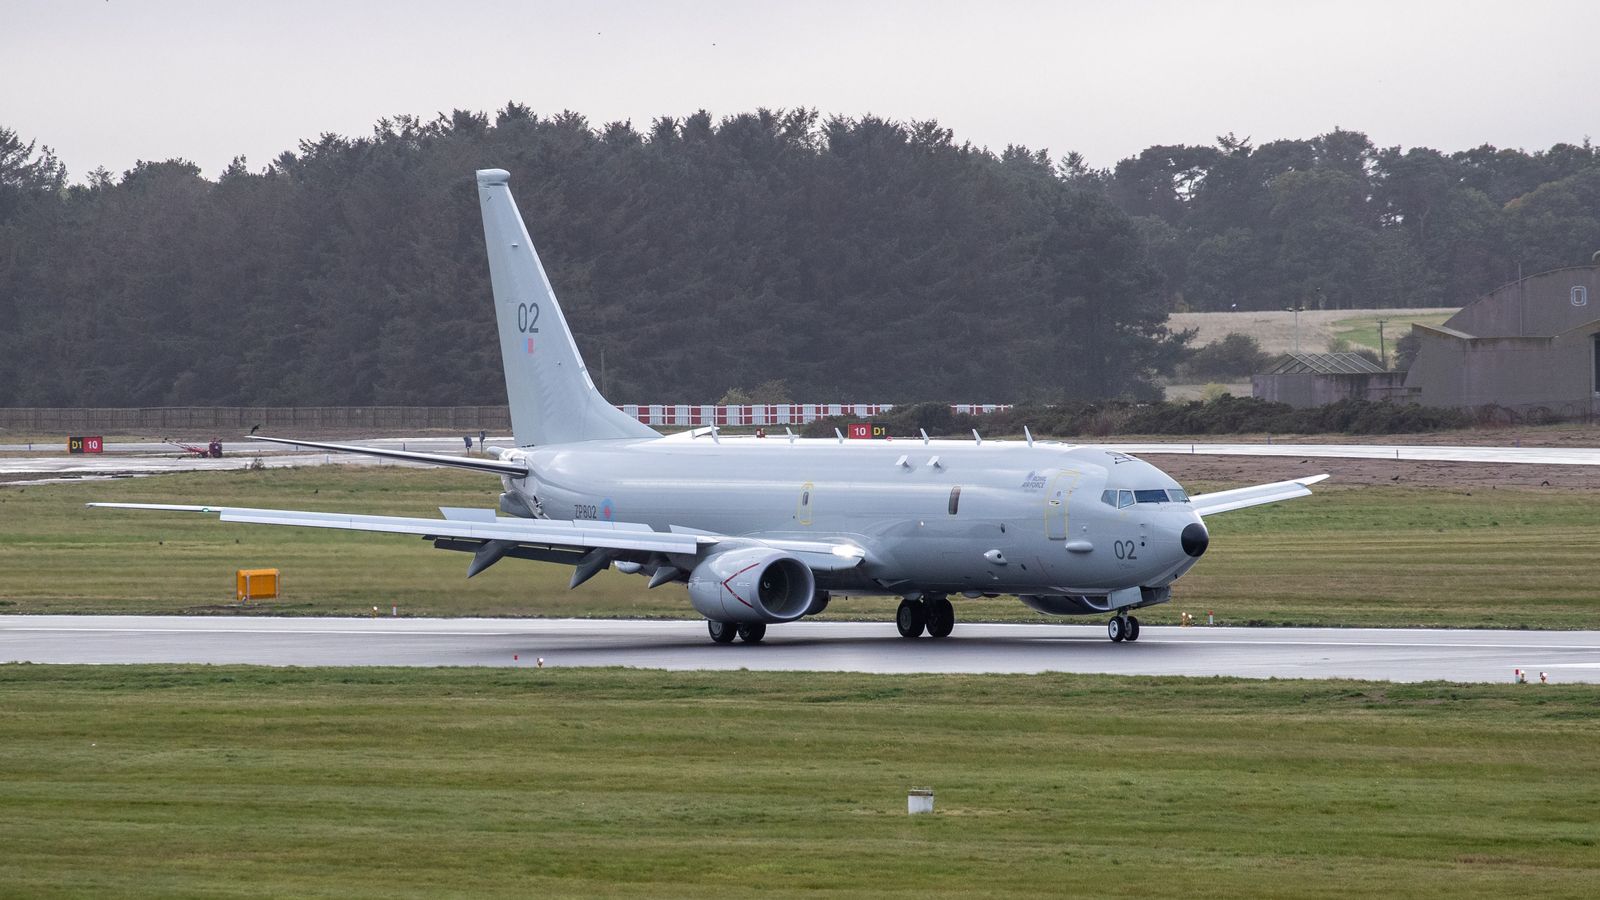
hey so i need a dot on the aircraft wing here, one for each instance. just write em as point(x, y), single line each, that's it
point(541, 532)
point(1256, 495)
point(497, 466)
point(497, 536)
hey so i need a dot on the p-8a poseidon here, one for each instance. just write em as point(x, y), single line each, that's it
point(765, 531)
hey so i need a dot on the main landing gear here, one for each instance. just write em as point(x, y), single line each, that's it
point(725, 632)
point(1123, 627)
point(931, 612)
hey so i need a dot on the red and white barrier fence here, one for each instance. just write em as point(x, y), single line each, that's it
point(699, 415)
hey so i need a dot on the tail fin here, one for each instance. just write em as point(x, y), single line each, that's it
point(553, 400)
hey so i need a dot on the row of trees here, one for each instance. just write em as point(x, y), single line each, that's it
point(835, 258)
point(1335, 222)
point(854, 258)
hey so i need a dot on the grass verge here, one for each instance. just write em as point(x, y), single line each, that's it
point(145, 781)
point(1385, 556)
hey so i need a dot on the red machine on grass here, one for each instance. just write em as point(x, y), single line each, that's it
point(212, 450)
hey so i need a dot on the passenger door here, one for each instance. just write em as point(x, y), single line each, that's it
point(1057, 497)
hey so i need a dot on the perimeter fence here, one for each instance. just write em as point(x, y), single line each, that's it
point(463, 419)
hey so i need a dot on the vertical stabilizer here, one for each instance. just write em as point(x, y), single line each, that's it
point(553, 400)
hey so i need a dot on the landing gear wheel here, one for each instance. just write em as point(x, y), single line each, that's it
point(753, 632)
point(721, 632)
point(911, 618)
point(1116, 629)
point(941, 617)
point(1133, 629)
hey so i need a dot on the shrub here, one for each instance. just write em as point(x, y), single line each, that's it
point(1235, 356)
point(1225, 414)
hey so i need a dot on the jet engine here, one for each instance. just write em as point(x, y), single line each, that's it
point(755, 584)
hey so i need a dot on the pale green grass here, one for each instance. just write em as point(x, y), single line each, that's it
point(1386, 556)
point(1362, 331)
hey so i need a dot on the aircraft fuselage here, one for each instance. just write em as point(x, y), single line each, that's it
point(942, 516)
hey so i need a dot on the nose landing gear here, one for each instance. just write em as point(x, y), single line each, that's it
point(1123, 627)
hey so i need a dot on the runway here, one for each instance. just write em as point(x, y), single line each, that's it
point(1371, 654)
point(1549, 456)
point(138, 459)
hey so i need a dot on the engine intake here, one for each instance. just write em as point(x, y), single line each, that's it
point(755, 584)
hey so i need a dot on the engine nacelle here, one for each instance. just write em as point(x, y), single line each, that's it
point(755, 584)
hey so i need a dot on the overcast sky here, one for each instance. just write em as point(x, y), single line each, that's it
point(108, 82)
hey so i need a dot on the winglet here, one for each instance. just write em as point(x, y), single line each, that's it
point(1255, 495)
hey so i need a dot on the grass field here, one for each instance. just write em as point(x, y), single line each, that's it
point(1347, 555)
point(1275, 330)
point(1362, 331)
point(399, 783)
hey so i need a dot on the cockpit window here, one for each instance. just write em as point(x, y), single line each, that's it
point(1125, 498)
point(1178, 496)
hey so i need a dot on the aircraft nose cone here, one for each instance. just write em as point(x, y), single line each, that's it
point(1195, 539)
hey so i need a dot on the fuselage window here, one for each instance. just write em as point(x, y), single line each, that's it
point(1124, 499)
point(1157, 496)
point(955, 499)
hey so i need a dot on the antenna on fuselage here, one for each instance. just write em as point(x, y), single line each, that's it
point(714, 438)
point(789, 433)
point(924, 434)
point(838, 434)
point(977, 437)
point(1027, 434)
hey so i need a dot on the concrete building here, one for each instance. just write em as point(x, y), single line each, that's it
point(1532, 345)
point(1316, 379)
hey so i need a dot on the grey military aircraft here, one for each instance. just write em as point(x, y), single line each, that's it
point(766, 531)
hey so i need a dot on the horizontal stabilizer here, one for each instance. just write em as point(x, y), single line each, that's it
point(1256, 495)
point(499, 467)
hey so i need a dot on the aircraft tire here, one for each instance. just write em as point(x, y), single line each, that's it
point(1133, 628)
point(941, 617)
point(910, 618)
point(753, 632)
point(1115, 631)
point(721, 632)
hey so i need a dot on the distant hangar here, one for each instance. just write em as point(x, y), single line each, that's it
point(1530, 346)
point(1534, 343)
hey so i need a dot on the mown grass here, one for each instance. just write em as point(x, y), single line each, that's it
point(142, 781)
point(1362, 331)
point(1387, 556)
